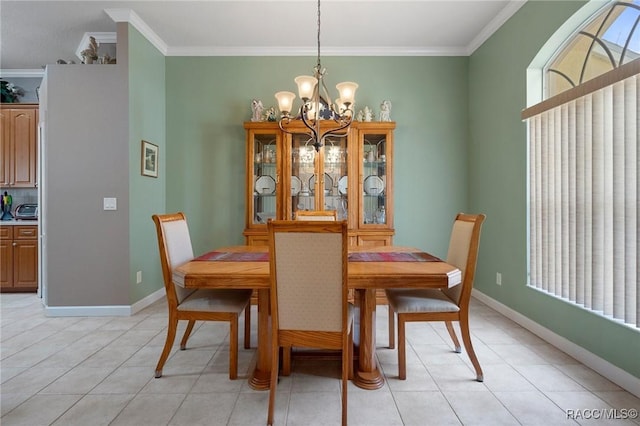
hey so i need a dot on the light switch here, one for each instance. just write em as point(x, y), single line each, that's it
point(110, 203)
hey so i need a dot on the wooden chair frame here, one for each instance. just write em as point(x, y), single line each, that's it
point(461, 316)
point(342, 339)
point(328, 215)
point(176, 314)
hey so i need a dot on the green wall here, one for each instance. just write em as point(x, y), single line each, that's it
point(498, 183)
point(460, 145)
point(208, 99)
point(146, 195)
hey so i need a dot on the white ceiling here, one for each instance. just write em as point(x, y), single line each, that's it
point(35, 33)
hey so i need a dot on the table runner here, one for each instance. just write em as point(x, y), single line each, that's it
point(392, 257)
point(224, 256)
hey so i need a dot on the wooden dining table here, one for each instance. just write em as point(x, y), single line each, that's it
point(370, 268)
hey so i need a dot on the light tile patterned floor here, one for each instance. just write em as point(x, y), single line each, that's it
point(99, 371)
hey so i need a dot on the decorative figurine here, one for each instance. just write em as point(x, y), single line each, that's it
point(270, 115)
point(368, 114)
point(360, 116)
point(90, 54)
point(385, 111)
point(257, 108)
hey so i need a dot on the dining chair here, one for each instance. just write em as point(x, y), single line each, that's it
point(194, 305)
point(308, 294)
point(327, 215)
point(448, 305)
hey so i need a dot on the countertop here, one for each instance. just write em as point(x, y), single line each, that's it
point(15, 222)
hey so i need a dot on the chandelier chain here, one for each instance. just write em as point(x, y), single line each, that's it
point(319, 66)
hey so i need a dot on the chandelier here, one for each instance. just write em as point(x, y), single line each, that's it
point(317, 105)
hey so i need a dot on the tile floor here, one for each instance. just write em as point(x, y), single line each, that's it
point(99, 371)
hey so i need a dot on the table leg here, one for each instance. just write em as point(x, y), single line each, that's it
point(367, 375)
point(260, 377)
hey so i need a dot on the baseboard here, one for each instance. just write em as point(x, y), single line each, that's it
point(617, 375)
point(104, 311)
point(148, 301)
point(88, 311)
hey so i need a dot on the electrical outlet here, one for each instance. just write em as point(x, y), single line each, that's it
point(498, 278)
point(138, 277)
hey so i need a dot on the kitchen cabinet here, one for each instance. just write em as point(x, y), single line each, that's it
point(19, 258)
point(18, 128)
point(352, 174)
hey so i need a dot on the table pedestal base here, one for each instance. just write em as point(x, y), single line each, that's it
point(260, 378)
point(368, 380)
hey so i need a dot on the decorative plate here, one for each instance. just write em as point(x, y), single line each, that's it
point(342, 185)
point(265, 185)
point(328, 182)
point(296, 185)
point(373, 185)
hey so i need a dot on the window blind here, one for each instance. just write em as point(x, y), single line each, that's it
point(583, 200)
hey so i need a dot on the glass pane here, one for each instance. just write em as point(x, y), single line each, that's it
point(303, 159)
point(633, 51)
point(336, 180)
point(568, 65)
point(597, 63)
point(264, 188)
point(597, 48)
point(375, 179)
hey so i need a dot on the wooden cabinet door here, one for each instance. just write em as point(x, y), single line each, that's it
point(6, 263)
point(5, 147)
point(23, 136)
point(25, 264)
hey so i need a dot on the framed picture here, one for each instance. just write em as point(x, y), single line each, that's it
point(149, 159)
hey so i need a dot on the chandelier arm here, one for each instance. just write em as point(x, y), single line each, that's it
point(311, 126)
point(334, 132)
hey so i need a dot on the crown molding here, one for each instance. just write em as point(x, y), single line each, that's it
point(128, 15)
point(503, 16)
point(312, 51)
point(26, 73)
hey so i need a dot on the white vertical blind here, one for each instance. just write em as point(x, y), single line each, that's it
point(583, 185)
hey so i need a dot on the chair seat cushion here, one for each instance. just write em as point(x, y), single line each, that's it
point(420, 300)
point(216, 300)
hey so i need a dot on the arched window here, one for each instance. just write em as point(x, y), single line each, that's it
point(608, 40)
point(584, 177)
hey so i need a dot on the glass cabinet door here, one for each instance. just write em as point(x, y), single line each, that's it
point(335, 168)
point(374, 180)
point(302, 195)
point(318, 179)
point(264, 158)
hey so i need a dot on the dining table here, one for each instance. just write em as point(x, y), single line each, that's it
point(369, 269)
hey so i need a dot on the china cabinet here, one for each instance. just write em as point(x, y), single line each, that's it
point(352, 174)
point(18, 145)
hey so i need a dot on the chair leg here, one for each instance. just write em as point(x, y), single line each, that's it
point(452, 333)
point(351, 353)
point(171, 335)
point(466, 339)
point(392, 328)
point(247, 327)
point(286, 360)
point(346, 361)
point(275, 355)
point(233, 348)
point(402, 355)
point(187, 333)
